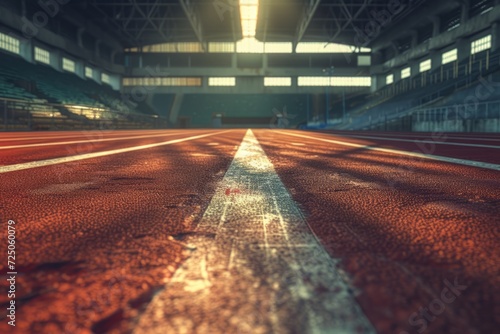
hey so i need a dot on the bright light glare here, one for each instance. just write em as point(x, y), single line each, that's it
point(249, 45)
point(249, 10)
point(249, 2)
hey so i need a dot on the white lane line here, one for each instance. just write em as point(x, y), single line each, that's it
point(85, 141)
point(420, 141)
point(55, 161)
point(79, 134)
point(447, 134)
point(257, 267)
point(400, 152)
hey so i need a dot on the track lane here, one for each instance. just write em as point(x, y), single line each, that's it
point(83, 137)
point(484, 136)
point(403, 228)
point(23, 137)
point(97, 238)
point(60, 149)
point(437, 144)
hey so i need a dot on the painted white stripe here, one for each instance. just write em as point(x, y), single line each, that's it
point(85, 141)
point(416, 135)
point(77, 134)
point(257, 267)
point(55, 161)
point(400, 152)
point(420, 141)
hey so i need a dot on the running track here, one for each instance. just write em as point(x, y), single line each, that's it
point(369, 232)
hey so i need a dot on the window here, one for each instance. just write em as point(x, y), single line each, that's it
point(479, 7)
point(321, 47)
point(105, 78)
point(222, 81)
point(9, 43)
point(245, 45)
point(389, 79)
point(187, 47)
point(220, 47)
point(313, 81)
point(278, 47)
point(335, 81)
point(405, 73)
point(351, 81)
point(278, 81)
point(89, 72)
point(425, 65)
point(42, 56)
point(252, 45)
point(169, 81)
point(364, 60)
point(481, 44)
point(449, 56)
point(68, 65)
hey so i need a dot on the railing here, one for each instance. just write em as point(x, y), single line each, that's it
point(41, 115)
point(458, 74)
point(483, 110)
point(405, 120)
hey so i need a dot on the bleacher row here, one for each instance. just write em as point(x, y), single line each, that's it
point(38, 94)
point(447, 87)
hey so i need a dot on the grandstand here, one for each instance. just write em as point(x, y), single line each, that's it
point(351, 82)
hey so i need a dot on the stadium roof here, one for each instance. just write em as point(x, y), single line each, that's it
point(146, 22)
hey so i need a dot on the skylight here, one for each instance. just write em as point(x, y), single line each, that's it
point(249, 10)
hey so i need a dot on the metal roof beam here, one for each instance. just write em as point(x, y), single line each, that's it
point(147, 17)
point(194, 20)
point(306, 19)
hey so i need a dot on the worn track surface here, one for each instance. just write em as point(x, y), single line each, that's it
point(107, 223)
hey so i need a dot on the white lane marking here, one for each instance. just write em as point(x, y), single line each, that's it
point(400, 152)
point(298, 144)
point(85, 141)
point(420, 141)
point(79, 134)
point(447, 134)
point(55, 161)
point(201, 155)
point(257, 267)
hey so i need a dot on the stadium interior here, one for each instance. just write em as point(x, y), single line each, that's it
point(250, 166)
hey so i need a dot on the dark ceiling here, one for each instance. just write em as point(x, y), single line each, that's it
point(144, 22)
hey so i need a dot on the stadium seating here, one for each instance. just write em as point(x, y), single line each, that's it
point(387, 104)
point(38, 81)
point(36, 96)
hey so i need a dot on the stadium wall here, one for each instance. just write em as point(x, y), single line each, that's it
point(260, 110)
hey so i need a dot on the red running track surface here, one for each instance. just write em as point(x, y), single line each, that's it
point(98, 237)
